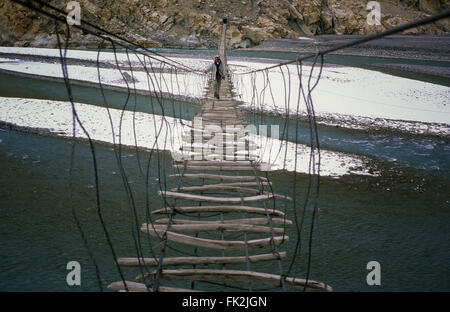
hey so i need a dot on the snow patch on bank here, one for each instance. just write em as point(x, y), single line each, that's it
point(108, 57)
point(345, 91)
point(345, 96)
point(181, 84)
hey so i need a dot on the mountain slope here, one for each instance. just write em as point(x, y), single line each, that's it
point(196, 23)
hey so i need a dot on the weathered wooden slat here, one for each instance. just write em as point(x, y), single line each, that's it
point(202, 129)
point(224, 187)
point(139, 287)
point(229, 110)
point(216, 162)
point(248, 183)
point(203, 198)
point(243, 209)
point(236, 155)
point(212, 243)
point(217, 153)
point(209, 142)
point(225, 121)
point(205, 188)
point(237, 276)
point(240, 144)
point(203, 154)
point(260, 221)
point(228, 129)
point(172, 261)
point(230, 117)
point(207, 138)
point(223, 151)
point(228, 227)
point(221, 115)
point(218, 177)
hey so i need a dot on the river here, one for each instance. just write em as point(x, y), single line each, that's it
point(399, 217)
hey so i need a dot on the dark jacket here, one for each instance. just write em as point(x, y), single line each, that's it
point(213, 68)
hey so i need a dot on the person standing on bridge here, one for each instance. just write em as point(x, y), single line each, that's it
point(219, 69)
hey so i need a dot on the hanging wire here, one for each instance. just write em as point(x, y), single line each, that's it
point(162, 75)
point(92, 147)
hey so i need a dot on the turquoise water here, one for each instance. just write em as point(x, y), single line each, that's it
point(400, 218)
point(12, 86)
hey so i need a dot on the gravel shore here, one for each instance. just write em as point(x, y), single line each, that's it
point(424, 48)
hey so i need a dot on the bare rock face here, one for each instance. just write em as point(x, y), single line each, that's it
point(430, 6)
point(235, 37)
point(197, 23)
point(254, 34)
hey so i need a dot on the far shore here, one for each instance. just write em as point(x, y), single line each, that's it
point(406, 47)
point(423, 47)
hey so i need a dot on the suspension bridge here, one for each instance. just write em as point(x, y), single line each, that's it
point(234, 194)
point(219, 217)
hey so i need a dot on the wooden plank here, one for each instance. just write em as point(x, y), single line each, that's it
point(217, 168)
point(228, 128)
point(226, 123)
point(220, 109)
point(212, 152)
point(220, 115)
point(217, 177)
point(169, 261)
point(205, 188)
point(224, 187)
point(217, 136)
point(236, 155)
point(212, 243)
point(243, 209)
point(207, 142)
point(229, 116)
point(216, 162)
point(208, 132)
point(139, 287)
point(202, 198)
point(260, 221)
point(248, 183)
point(237, 276)
point(228, 227)
point(207, 146)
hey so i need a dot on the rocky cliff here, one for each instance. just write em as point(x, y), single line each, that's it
point(196, 23)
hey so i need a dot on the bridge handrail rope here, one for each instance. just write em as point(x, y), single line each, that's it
point(62, 19)
point(164, 232)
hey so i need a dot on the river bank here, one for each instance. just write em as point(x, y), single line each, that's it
point(346, 97)
point(398, 216)
point(424, 47)
point(399, 219)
